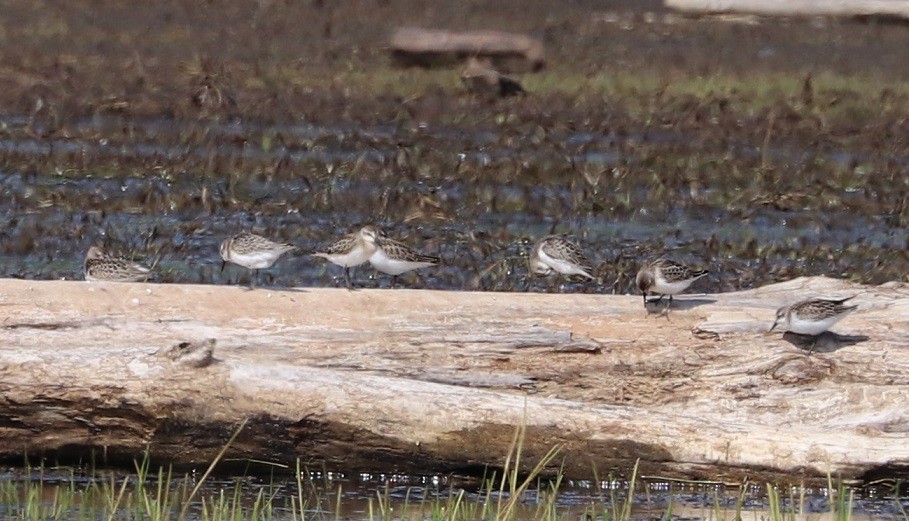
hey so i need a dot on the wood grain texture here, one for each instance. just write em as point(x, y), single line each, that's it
point(436, 381)
point(898, 9)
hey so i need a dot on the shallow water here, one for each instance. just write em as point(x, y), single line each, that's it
point(477, 198)
point(362, 496)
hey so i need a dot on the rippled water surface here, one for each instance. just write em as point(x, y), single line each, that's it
point(367, 496)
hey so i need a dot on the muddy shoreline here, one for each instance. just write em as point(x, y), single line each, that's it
point(763, 149)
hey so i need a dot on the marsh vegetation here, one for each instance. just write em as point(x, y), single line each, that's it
point(62, 494)
point(762, 150)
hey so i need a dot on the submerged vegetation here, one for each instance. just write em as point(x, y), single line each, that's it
point(506, 495)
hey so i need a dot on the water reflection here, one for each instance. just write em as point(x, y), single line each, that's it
point(370, 496)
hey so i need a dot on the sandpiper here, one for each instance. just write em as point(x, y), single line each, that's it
point(555, 253)
point(352, 250)
point(100, 266)
point(812, 316)
point(190, 354)
point(480, 78)
point(394, 258)
point(252, 252)
point(666, 277)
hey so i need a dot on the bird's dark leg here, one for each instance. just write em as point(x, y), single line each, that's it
point(813, 345)
point(347, 277)
point(224, 263)
point(394, 281)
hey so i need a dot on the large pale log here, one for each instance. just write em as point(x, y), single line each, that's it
point(898, 9)
point(436, 381)
point(416, 46)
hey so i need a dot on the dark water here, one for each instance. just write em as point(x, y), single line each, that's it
point(357, 496)
point(477, 198)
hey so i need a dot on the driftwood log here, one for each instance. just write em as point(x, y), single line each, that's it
point(435, 381)
point(510, 52)
point(885, 9)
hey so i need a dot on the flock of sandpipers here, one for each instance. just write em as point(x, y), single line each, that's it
point(551, 254)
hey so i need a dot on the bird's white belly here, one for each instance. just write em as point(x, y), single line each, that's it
point(382, 262)
point(562, 266)
point(254, 261)
point(355, 257)
point(540, 268)
point(812, 327)
point(669, 288)
point(141, 277)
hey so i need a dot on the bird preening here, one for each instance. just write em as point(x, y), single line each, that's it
point(252, 252)
point(100, 265)
point(557, 254)
point(371, 244)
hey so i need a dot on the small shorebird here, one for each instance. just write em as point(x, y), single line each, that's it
point(394, 258)
point(190, 354)
point(100, 266)
point(252, 252)
point(480, 78)
point(666, 277)
point(812, 316)
point(554, 253)
point(352, 250)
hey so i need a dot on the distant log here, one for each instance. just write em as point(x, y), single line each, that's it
point(436, 381)
point(413, 46)
point(896, 9)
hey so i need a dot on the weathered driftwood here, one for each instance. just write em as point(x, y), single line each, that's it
point(437, 381)
point(898, 9)
point(414, 46)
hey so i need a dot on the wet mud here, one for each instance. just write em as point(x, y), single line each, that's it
point(761, 149)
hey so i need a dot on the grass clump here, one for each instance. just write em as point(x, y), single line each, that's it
point(516, 492)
